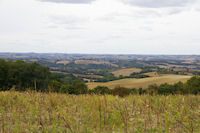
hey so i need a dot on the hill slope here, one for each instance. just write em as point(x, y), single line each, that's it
point(143, 83)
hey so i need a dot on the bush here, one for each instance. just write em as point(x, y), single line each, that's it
point(78, 87)
point(102, 90)
point(153, 89)
point(121, 91)
point(166, 89)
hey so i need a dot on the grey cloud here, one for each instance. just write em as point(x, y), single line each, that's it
point(145, 28)
point(147, 13)
point(69, 1)
point(158, 3)
point(174, 11)
point(198, 9)
point(111, 17)
point(117, 16)
point(70, 22)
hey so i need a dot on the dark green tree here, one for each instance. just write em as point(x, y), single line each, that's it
point(193, 85)
point(102, 90)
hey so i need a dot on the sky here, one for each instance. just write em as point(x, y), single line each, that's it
point(100, 26)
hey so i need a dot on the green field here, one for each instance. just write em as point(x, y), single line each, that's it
point(141, 83)
point(51, 112)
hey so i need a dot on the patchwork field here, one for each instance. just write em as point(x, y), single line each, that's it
point(141, 83)
point(88, 76)
point(65, 62)
point(152, 74)
point(126, 72)
point(86, 62)
point(51, 112)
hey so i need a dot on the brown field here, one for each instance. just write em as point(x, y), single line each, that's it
point(59, 72)
point(65, 62)
point(33, 60)
point(126, 72)
point(142, 83)
point(166, 66)
point(86, 62)
point(194, 70)
point(180, 69)
point(152, 74)
point(87, 76)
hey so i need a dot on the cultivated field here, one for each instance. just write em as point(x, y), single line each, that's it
point(37, 112)
point(126, 72)
point(65, 62)
point(86, 62)
point(152, 74)
point(141, 83)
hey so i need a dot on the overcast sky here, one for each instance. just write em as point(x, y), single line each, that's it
point(100, 26)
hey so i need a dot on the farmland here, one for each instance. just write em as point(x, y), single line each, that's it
point(126, 72)
point(51, 95)
point(52, 112)
point(94, 62)
point(142, 83)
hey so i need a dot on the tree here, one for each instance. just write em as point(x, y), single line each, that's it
point(23, 75)
point(78, 87)
point(121, 91)
point(153, 89)
point(166, 89)
point(192, 86)
point(102, 90)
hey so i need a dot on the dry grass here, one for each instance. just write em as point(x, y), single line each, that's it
point(152, 74)
point(65, 62)
point(126, 72)
point(33, 60)
point(142, 83)
point(87, 76)
point(37, 112)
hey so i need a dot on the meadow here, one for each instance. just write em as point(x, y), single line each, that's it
point(52, 112)
point(141, 83)
point(126, 71)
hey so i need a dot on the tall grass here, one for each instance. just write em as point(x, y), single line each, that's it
point(52, 112)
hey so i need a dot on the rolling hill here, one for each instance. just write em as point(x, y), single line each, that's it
point(141, 83)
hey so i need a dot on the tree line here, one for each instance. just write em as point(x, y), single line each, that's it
point(192, 86)
point(23, 76)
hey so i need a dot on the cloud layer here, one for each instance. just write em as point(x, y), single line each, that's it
point(104, 26)
point(69, 1)
point(158, 3)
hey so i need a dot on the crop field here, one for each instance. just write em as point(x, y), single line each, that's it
point(86, 62)
point(65, 62)
point(141, 83)
point(51, 112)
point(152, 74)
point(126, 72)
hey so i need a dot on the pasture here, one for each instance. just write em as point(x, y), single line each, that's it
point(65, 62)
point(126, 71)
point(141, 83)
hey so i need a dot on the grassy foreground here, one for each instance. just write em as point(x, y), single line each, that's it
point(51, 112)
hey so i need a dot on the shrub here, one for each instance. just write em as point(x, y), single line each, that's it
point(78, 87)
point(121, 91)
point(153, 89)
point(102, 90)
